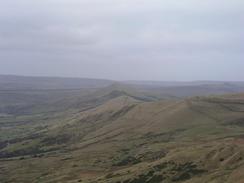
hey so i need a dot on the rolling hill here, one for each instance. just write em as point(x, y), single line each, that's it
point(121, 134)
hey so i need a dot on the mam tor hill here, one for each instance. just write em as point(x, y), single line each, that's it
point(99, 131)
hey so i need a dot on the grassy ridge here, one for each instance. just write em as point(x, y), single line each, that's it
point(122, 134)
point(125, 140)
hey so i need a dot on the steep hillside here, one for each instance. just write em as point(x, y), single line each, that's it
point(126, 140)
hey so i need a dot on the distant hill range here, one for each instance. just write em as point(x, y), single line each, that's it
point(159, 89)
point(10, 82)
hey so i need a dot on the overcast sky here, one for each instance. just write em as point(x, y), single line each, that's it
point(123, 39)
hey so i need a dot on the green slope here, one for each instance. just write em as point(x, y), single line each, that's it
point(121, 139)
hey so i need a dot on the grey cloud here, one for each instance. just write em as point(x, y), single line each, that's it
point(109, 38)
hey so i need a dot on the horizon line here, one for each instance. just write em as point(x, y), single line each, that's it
point(105, 79)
